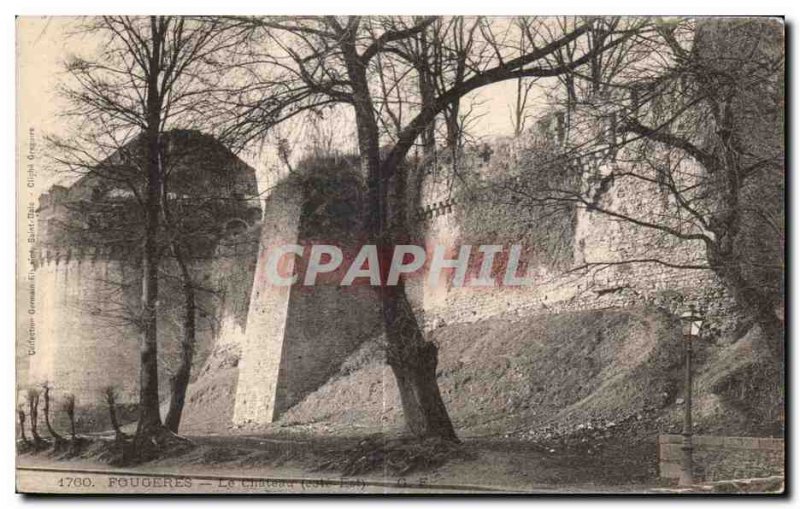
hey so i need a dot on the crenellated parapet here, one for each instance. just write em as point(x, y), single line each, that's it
point(80, 255)
point(436, 209)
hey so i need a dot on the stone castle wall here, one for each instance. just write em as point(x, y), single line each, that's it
point(234, 267)
point(88, 277)
point(292, 339)
point(296, 336)
point(81, 347)
point(86, 338)
point(577, 284)
point(266, 322)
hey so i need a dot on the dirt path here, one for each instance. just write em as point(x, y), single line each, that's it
point(292, 464)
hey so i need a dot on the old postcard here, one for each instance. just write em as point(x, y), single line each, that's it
point(400, 254)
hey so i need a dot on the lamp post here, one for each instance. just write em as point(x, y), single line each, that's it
point(691, 322)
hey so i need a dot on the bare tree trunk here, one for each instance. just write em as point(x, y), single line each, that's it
point(69, 407)
point(412, 359)
point(148, 383)
point(452, 112)
point(724, 253)
point(33, 410)
point(50, 429)
point(750, 300)
point(21, 417)
point(149, 416)
point(180, 381)
point(428, 95)
point(111, 401)
point(453, 125)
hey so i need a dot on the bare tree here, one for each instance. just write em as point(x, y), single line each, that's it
point(152, 74)
point(180, 380)
point(21, 420)
point(195, 209)
point(439, 57)
point(520, 110)
point(46, 393)
point(309, 63)
point(68, 405)
point(693, 113)
point(110, 399)
point(194, 229)
point(33, 412)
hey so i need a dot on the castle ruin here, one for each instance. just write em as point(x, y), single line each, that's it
point(88, 270)
point(289, 340)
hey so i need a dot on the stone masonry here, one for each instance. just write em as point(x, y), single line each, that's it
point(87, 288)
point(596, 239)
point(297, 336)
point(719, 458)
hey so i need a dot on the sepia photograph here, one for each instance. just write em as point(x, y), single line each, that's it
point(401, 254)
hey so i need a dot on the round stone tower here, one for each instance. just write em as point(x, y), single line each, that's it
point(88, 274)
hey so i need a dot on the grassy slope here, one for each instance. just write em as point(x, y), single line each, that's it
point(210, 398)
point(501, 374)
point(552, 374)
point(535, 377)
